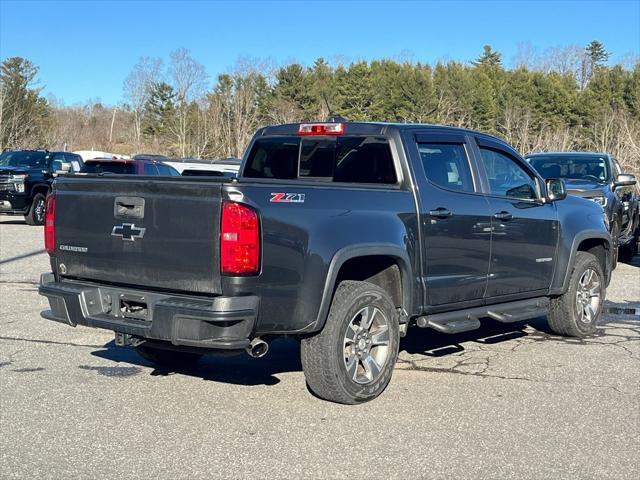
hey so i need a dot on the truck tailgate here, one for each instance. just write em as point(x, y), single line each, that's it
point(160, 233)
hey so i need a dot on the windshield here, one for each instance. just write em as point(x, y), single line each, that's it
point(24, 159)
point(578, 167)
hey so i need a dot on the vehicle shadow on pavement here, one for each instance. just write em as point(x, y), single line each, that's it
point(241, 369)
point(431, 343)
point(284, 353)
point(13, 222)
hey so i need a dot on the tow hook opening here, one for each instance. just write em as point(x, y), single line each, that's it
point(133, 307)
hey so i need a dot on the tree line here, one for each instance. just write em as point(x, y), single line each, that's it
point(568, 98)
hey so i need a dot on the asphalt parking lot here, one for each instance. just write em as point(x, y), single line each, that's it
point(507, 401)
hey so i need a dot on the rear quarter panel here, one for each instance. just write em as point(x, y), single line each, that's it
point(305, 243)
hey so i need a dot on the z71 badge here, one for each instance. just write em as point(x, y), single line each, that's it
point(287, 198)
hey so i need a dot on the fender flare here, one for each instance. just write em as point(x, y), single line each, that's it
point(362, 250)
point(39, 186)
point(577, 240)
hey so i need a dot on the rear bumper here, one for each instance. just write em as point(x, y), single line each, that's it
point(211, 323)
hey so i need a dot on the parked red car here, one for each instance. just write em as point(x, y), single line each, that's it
point(128, 167)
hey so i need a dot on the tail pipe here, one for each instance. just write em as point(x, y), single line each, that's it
point(257, 348)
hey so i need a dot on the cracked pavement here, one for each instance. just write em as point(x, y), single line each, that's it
point(505, 401)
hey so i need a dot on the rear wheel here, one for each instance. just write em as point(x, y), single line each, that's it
point(36, 212)
point(167, 358)
point(576, 313)
point(352, 359)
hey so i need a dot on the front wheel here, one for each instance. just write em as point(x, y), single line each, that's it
point(36, 212)
point(352, 359)
point(615, 236)
point(577, 311)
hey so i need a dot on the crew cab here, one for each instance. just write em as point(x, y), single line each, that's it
point(340, 234)
point(26, 177)
point(600, 178)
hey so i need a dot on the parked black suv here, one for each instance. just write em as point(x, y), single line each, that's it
point(598, 177)
point(26, 177)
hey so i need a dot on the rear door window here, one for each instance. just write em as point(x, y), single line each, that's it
point(447, 165)
point(352, 159)
point(75, 161)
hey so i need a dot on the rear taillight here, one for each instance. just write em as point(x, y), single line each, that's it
point(50, 224)
point(321, 129)
point(239, 240)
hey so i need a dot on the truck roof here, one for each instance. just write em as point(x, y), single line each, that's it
point(370, 128)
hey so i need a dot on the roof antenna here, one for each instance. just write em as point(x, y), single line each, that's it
point(333, 116)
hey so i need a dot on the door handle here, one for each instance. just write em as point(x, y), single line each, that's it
point(506, 216)
point(440, 213)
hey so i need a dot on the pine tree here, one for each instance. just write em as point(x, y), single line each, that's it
point(596, 54)
point(159, 110)
point(489, 58)
point(23, 112)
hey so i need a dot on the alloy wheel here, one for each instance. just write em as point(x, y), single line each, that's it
point(366, 345)
point(588, 296)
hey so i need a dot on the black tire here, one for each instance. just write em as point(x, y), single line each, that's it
point(564, 317)
point(615, 236)
point(324, 356)
point(167, 358)
point(36, 212)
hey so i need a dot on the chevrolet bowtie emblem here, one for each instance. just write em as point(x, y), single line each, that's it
point(128, 231)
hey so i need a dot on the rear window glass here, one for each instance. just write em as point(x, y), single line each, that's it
point(109, 167)
point(350, 159)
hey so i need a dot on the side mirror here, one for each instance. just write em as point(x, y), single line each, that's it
point(625, 180)
point(556, 189)
point(64, 168)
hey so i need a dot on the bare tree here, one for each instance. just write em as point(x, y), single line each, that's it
point(189, 80)
point(525, 55)
point(137, 88)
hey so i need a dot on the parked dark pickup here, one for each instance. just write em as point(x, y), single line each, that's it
point(599, 177)
point(26, 177)
point(341, 234)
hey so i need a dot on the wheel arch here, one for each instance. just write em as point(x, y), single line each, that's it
point(387, 266)
point(40, 188)
point(595, 242)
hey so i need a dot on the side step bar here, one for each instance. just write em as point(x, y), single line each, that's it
point(469, 319)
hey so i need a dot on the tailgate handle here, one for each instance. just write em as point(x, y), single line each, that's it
point(128, 207)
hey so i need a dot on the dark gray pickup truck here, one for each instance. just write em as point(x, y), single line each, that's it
point(340, 234)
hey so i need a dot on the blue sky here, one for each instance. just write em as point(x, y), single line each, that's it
point(86, 49)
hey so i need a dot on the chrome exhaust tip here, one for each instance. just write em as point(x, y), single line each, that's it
point(258, 348)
